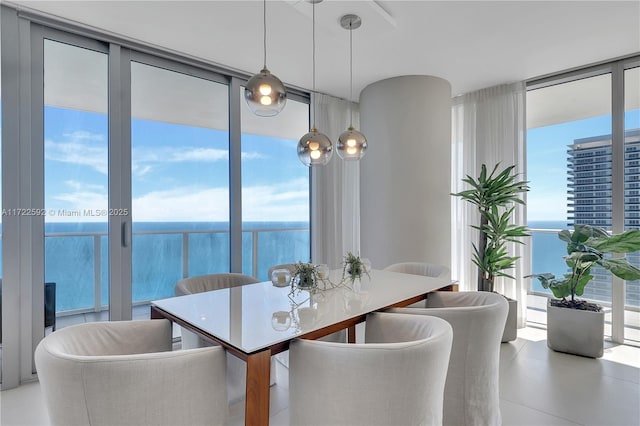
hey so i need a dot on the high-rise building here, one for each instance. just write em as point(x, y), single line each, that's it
point(590, 198)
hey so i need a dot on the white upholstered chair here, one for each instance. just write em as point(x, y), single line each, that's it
point(124, 373)
point(396, 378)
point(236, 368)
point(419, 268)
point(471, 395)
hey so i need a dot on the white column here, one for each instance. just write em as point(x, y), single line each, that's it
point(406, 175)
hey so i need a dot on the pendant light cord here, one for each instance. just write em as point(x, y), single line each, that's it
point(264, 31)
point(313, 55)
point(350, 72)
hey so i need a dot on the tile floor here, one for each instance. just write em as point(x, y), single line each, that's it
point(537, 387)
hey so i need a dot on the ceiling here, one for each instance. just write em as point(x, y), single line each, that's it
point(472, 44)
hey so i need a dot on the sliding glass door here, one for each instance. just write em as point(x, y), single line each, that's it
point(127, 166)
point(180, 178)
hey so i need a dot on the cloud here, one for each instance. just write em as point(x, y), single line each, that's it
point(78, 151)
point(90, 149)
point(282, 202)
point(84, 186)
point(253, 156)
point(182, 204)
point(145, 159)
point(197, 155)
point(82, 198)
point(81, 135)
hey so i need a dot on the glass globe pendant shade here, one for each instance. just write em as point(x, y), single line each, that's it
point(352, 145)
point(315, 149)
point(265, 94)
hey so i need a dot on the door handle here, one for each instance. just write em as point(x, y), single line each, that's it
point(126, 233)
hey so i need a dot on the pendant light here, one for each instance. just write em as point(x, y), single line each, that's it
point(314, 148)
point(352, 145)
point(265, 94)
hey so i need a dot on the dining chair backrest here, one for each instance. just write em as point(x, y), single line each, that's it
point(236, 368)
point(419, 268)
point(124, 372)
point(396, 377)
point(202, 283)
point(472, 395)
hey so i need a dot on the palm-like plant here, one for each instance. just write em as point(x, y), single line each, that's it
point(494, 194)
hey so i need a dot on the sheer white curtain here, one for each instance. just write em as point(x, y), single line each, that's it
point(488, 128)
point(335, 192)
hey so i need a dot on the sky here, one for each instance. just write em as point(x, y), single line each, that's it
point(547, 162)
point(179, 173)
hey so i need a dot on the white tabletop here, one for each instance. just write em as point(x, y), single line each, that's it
point(256, 316)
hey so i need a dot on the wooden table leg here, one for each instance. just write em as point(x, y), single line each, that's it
point(351, 334)
point(256, 411)
point(451, 287)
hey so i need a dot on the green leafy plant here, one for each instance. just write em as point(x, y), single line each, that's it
point(353, 267)
point(305, 276)
point(494, 195)
point(587, 246)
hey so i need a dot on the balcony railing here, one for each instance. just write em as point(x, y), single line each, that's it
point(547, 252)
point(160, 258)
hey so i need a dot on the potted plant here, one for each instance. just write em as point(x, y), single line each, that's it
point(305, 277)
point(577, 326)
point(495, 195)
point(353, 267)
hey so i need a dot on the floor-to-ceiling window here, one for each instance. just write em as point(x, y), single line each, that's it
point(103, 120)
point(571, 123)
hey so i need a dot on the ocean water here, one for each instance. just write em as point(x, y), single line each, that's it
point(75, 261)
point(76, 256)
point(547, 251)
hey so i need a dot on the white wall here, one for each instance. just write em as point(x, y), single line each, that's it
point(406, 174)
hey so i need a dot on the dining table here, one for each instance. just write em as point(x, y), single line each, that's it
point(256, 321)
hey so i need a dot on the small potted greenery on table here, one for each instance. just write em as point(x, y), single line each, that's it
point(577, 326)
point(353, 268)
point(305, 277)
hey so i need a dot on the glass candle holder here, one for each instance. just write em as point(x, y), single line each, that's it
point(281, 321)
point(323, 271)
point(281, 277)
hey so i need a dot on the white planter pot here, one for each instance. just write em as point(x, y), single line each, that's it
point(575, 331)
point(511, 326)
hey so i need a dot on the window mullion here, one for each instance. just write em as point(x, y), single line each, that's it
point(235, 177)
point(617, 193)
